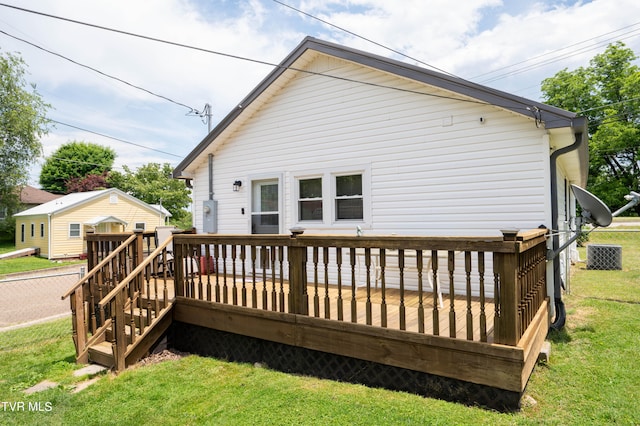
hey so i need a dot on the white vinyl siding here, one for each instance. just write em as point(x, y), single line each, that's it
point(432, 167)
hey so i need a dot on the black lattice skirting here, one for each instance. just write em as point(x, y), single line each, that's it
point(296, 360)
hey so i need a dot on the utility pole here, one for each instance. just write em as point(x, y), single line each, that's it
point(206, 113)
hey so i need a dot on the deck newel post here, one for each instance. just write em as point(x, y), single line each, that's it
point(297, 274)
point(506, 264)
point(120, 346)
point(139, 258)
point(178, 267)
point(79, 324)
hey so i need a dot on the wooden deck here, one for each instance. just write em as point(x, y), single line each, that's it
point(356, 299)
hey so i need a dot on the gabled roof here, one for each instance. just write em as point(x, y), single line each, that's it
point(76, 199)
point(104, 219)
point(31, 195)
point(552, 117)
point(161, 209)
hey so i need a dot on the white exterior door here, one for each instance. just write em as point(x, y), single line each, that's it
point(265, 207)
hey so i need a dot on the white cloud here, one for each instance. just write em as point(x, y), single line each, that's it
point(467, 38)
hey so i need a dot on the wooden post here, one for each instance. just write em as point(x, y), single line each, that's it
point(178, 267)
point(79, 324)
point(120, 344)
point(507, 330)
point(297, 276)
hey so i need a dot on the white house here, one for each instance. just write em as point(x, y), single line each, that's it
point(335, 139)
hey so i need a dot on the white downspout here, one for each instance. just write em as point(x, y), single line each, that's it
point(49, 236)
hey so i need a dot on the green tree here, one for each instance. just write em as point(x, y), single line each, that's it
point(606, 92)
point(153, 183)
point(22, 124)
point(72, 161)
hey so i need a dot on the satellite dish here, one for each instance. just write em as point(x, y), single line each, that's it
point(594, 211)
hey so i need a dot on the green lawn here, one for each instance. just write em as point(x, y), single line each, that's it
point(591, 378)
point(23, 264)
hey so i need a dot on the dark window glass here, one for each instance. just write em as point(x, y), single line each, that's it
point(310, 203)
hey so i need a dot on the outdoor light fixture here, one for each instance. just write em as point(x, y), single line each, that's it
point(236, 185)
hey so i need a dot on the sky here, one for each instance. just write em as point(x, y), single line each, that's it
point(143, 97)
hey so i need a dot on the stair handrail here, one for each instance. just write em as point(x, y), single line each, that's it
point(106, 299)
point(99, 266)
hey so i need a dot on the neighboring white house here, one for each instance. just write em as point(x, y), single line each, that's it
point(335, 138)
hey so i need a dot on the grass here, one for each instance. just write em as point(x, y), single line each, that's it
point(24, 264)
point(591, 378)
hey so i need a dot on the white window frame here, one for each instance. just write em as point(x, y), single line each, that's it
point(144, 225)
point(335, 198)
point(329, 214)
point(42, 230)
point(79, 230)
point(322, 198)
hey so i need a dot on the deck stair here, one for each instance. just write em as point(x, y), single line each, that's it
point(142, 331)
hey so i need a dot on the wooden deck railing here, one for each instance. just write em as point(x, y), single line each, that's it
point(477, 289)
point(493, 287)
point(122, 277)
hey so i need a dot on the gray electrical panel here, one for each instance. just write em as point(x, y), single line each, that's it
point(210, 216)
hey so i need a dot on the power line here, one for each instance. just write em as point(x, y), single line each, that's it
point(363, 38)
point(228, 55)
point(554, 51)
point(261, 62)
point(552, 60)
point(114, 138)
point(191, 110)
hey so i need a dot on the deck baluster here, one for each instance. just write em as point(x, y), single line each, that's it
point(419, 265)
point(207, 269)
point(234, 294)
point(99, 281)
point(254, 290)
point(281, 278)
point(354, 308)
point(92, 311)
point(403, 321)
point(383, 288)
point(316, 297)
point(225, 288)
point(367, 263)
point(197, 255)
point(132, 317)
point(467, 270)
point(243, 259)
point(436, 290)
point(497, 313)
point(452, 294)
point(216, 263)
point(327, 304)
point(264, 256)
point(483, 314)
point(274, 293)
point(339, 269)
